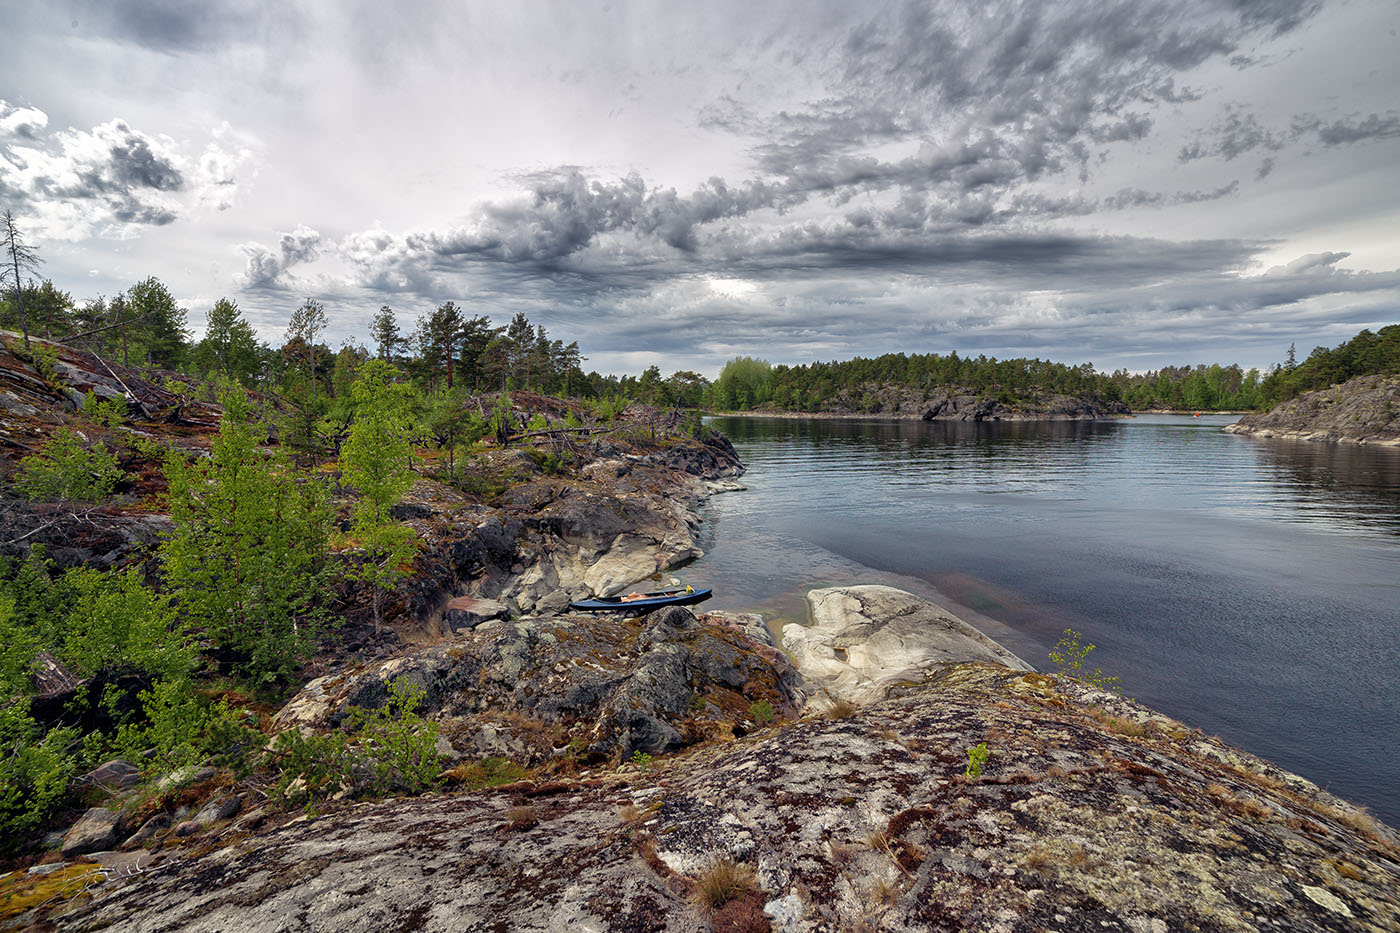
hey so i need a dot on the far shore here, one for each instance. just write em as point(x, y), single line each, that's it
point(912, 416)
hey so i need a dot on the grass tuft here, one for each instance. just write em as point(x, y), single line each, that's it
point(723, 881)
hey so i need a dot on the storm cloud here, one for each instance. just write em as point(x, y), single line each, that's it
point(679, 185)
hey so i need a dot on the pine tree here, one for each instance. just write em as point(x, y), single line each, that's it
point(248, 553)
point(161, 322)
point(22, 259)
point(230, 345)
point(307, 321)
point(384, 331)
point(377, 460)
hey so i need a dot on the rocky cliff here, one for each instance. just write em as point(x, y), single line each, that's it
point(1363, 410)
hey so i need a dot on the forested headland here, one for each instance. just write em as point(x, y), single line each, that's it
point(747, 383)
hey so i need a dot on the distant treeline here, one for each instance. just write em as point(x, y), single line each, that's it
point(446, 350)
point(747, 383)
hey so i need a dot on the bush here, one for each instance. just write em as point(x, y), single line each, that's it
point(34, 772)
point(182, 728)
point(117, 624)
point(384, 750)
point(65, 469)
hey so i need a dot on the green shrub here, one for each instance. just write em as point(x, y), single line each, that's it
point(117, 623)
point(18, 646)
point(384, 750)
point(182, 728)
point(65, 469)
point(34, 772)
point(976, 758)
point(762, 712)
point(1068, 655)
point(109, 413)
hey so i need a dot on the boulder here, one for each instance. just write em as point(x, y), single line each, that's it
point(117, 774)
point(148, 829)
point(865, 639)
point(221, 808)
point(619, 685)
point(467, 612)
point(97, 830)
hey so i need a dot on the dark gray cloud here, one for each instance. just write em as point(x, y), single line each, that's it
point(987, 105)
point(109, 175)
point(175, 26)
point(268, 268)
point(1346, 132)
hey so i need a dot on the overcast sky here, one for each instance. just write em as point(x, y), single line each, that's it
point(1126, 183)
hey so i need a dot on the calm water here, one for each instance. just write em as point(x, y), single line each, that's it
point(1248, 587)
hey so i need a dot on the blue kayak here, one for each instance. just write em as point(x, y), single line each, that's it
point(642, 602)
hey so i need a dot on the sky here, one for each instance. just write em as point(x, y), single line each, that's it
point(1131, 184)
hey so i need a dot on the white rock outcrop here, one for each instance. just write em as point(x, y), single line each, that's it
point(863, 639)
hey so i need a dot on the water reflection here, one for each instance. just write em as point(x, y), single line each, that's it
point(1250, 587)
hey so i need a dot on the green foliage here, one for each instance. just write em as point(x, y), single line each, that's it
point(743, 383)
point(1365, 354)
point(314, 767)
point(176, 727)
point(248, 554)
point(44, 358)
point(385, 750)
point(106, 412)
point(762, 712)
point(976, 758)
point(67, 469)
point(377, 460)
point(39, 602)
point(1068, 656)
point(159, 323)
point(642, 760)
point(18, 646)
point(230, 344)
point(452, 425)
point(117, 624)
point(35, 771)
point(500, 423)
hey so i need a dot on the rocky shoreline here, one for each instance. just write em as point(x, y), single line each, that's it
point(1363, 410)
point(886, 767)
point(897, 403)
point(1085, 811)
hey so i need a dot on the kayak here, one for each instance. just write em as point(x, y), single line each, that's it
point(647, 601)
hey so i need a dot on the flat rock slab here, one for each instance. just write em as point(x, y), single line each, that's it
point(867, 822)
point(866, 639)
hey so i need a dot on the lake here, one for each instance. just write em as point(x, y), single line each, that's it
point(1248, 587)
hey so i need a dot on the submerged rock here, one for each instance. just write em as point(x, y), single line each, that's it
point(865, 639)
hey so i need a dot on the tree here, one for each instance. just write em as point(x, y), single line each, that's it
point(248, 553)
point(520, 345)
point(230, 344)
point(377, 460)
point(445, 330)
point(161, 320)
point(384, 331)
point(451, 424)
point(308, 321)
point(22, 259)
